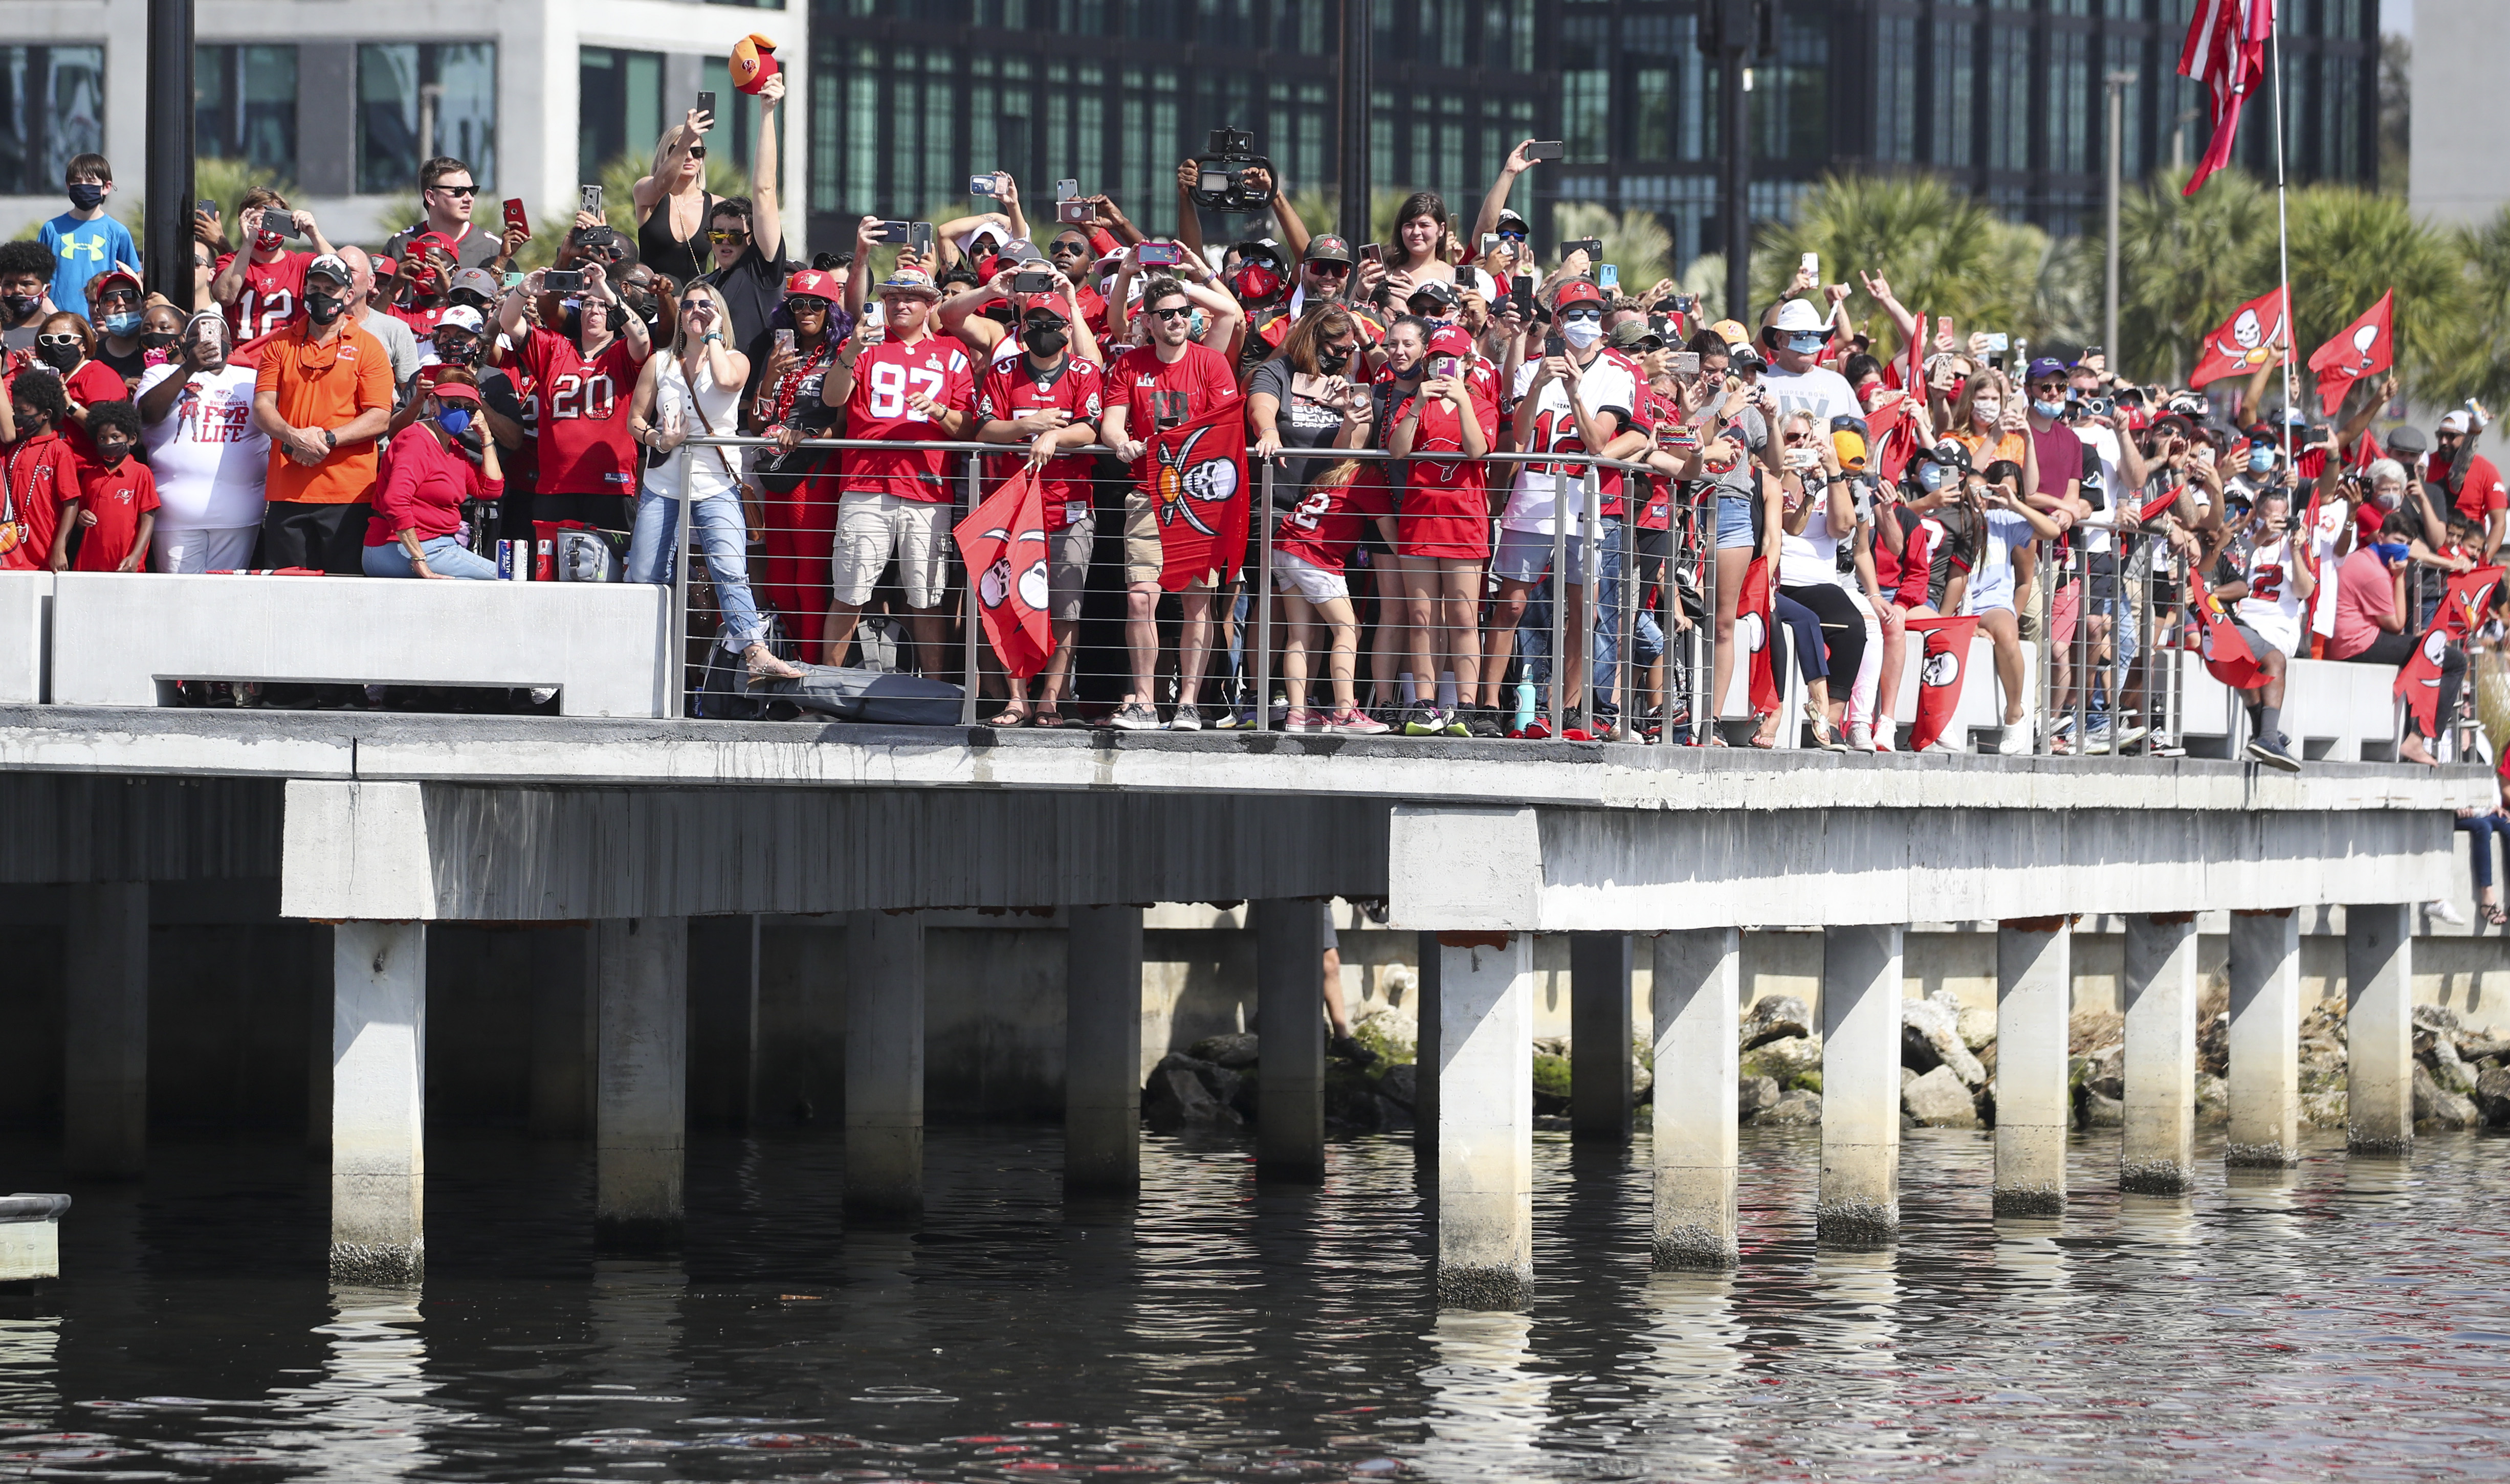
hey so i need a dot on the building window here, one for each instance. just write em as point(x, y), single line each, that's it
point(1949, 108)
point(1895, 89)
point(620, 109)
point(2009, 99)
point(2068, 100)
point(246, 105)
point(420, 100)
point(52, 106)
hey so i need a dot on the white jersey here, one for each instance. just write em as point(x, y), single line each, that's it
point(2333, 517)
point(1608, 384)
point(2273, 606)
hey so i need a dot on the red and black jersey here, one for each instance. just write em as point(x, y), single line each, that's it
point(1012, 389)
point(582, 406)
point(273, 296)
point(888, 376)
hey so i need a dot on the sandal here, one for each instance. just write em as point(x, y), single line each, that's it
point(763, 663)
point(1049, 718)
point(1007, 717)
point(2496, 914)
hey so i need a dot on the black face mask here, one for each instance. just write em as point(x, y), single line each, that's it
point(1048, 339)
point(457, 353)
point(323, 308)
point(157, 340)
point(20, 305)
point(1331, 362)
point(61, 358)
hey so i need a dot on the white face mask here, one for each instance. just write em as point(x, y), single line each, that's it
point(1581, 333)
point(1987, 409)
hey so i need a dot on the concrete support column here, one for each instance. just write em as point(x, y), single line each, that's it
point(885, 1064)
point(2265, 1039)
point(640, 1124)
point(1601, 1079)
point(2379, 1029)
point(565, 996)
point(104, 1023)
point(1697, 1004)
point(1424, 1059)
point(2033, 1111)
point(1486, 1128)
point(1290, 1011)
point(1859, 1205)
point(378, 1103)
point(723, 1021)
point(2158, 1153)
point(1102, 1050)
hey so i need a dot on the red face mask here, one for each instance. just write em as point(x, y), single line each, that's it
point(1255, 281)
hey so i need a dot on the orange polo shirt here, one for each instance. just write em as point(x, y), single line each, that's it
point(323, 384)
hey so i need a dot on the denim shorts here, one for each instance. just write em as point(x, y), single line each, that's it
point(1733, 522)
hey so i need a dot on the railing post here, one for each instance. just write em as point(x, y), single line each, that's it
point(1707, 703)
point(678, 547)
point(1262, 668)
point(1559, 585)
point(967, 611)
point(2046, 570)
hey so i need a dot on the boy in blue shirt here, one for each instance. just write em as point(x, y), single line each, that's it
point(84, 242)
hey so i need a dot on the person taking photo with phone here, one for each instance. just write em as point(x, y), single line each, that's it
point(262, 285)
point(582, 382)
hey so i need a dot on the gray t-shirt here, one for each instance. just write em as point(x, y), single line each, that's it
point(1734, 482)
point(399, 342)
point(1304, 423)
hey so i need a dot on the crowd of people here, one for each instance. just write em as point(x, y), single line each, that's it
point(1417, 409)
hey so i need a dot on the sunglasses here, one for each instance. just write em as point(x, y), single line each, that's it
point(116, 297)
point(1330, 270)
point(456, 190)
point(57, 340)
point(1067, 248)
point(697, 151)
point(1186, 313)
point(1589, 316)
point(719, 236)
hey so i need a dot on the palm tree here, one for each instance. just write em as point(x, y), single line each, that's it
point(2467, 361)
point(1635, 242)
point(1943, 253)
point(2185, 264)
point(2348, 247)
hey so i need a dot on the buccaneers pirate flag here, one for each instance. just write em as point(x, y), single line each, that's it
point(2469, 594)
point(1003, 543)
point(1940, 675)
point(1756, 626)
point(2228, 656)
point(2246, 341)
point(2361, 349)
point(1195, 476)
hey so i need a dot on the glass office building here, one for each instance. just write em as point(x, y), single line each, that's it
point(910, 97)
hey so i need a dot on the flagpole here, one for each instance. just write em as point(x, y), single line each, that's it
point(2283, 239)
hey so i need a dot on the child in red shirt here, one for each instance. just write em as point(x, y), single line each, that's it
point(1309, 549)
point(39, 471)
point(116, 504)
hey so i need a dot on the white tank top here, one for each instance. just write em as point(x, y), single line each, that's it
point(710, 468)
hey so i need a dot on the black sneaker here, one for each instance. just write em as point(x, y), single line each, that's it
point(1424, 720)
point(1483, 721)
point(1350, 1051)
point(2275, 751)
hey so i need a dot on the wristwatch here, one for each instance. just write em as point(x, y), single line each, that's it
point(330, 440)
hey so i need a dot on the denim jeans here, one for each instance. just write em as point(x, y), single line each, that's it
point(447, 557)
point(723, 534)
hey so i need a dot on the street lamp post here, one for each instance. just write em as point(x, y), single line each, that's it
point(167, 254)
point(2117, 83)
point(1357, 24)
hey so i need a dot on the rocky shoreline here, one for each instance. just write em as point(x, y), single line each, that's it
point(1947, 1072)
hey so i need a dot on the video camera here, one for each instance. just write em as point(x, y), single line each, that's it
point(1220, 173)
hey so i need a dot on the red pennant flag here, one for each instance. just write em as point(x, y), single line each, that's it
point(1756, 628)
point(1004, 542)
point(2226, 51)
point(1940, 675)
point(2360, 351)
point(1196, 476)
point(2461, 609)
point(2228, 656)
point(2246, 341)
point(1892, 432)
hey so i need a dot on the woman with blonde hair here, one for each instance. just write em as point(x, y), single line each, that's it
point(671, 203)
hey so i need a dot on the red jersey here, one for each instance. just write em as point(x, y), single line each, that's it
point(1446, 500)
point(1329, 520)
point(584, 449)
point(116, 497)
point(274, 294)
point(1184, 389)
point(1658, 410)
point(1012, 389)
point(2480, 492)
point(91, 383)
point(421, 318)
point(39, 474)
point(885, 375)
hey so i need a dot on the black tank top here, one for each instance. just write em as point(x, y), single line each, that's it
point(657, 248)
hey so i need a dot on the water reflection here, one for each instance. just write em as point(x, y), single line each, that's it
point(29, 1361)
point(1488, 1407)
point(371, 1409)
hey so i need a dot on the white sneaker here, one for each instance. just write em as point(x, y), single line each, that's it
point(2446, 911)
point(1860, 737)
point(1945, 744)
point(2017, 738)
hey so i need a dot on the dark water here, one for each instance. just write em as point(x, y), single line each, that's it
point(2348, 1320)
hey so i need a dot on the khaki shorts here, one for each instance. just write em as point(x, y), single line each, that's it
point(871, 528)
point(1067, 568)
point(1143, 559)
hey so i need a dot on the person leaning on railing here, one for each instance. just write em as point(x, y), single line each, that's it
point(693, 388)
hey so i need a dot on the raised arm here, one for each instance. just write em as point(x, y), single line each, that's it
point(766, 200)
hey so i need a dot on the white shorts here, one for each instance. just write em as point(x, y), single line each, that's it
point(871, 528)
point(1301, 578)
point(207, 550)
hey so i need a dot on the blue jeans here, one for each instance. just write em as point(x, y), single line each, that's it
point(447, 557)
point(723, 535)
point(2481, 831)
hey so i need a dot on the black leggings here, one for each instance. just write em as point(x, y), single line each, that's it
point(1842, 629)
point(2395, 649)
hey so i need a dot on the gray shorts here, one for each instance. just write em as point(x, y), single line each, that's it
point(1067, 568)
point(1525, 555)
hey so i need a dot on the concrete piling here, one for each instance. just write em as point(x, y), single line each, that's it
point(378, 1103)
point(2266, 1040)
point(1698, 1007)
point(104, 1082)
point(1859, 1205)
point(1485, 1115)
point(1289, 1008)
point(641, 1081)
point(2379, 1029)
point(884, 1065)
point(1102, 1050)
point(1601, 1069)
point(2157, 1152)
point(2033, 1113)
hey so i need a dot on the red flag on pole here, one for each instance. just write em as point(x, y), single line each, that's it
point(2246, 341)
point(2228, 656)
point(2226, 51)
point(2460, 610)
point(1756, 628)
point(2362, 349)
point(1195, 474)
point(1003, 543)
point(1940, 675)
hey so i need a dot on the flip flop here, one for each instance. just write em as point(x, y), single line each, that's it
point(1009, 718)
point(1051, 720)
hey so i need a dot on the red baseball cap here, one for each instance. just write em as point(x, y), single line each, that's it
point(1451, 340)
point(1576, 291)
point(815, 283)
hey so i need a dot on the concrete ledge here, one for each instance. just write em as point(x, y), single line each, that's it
point(31, 1247)
point(119, 639)
point(25, 635)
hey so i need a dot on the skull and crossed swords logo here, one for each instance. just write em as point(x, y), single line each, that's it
point(1184, 483)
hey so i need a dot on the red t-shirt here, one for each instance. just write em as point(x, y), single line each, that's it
point(274, 294)
point(91, 383)
point(1188, 386)
point(2480, 492)
point(1011, 390)
point(117, 496)
point(584, 449)
point(885, 375)
point(1656, 410)
point(40, 473)
point(1329, 520)
point(421, 318)
point(1446, 500)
